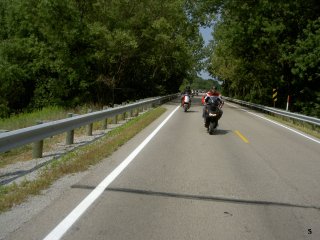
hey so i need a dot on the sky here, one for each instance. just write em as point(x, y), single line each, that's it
point(206, 34)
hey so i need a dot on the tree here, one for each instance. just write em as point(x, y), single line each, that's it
point(70, 52)
point(261, 45)
point(306, 58)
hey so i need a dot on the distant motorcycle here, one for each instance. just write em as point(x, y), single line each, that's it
point(186, 102)
point(212, 113)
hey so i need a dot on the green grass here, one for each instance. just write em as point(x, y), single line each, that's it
point(302, 126)
point(29, 119)
point(46, 114)
point(24, 153)
point(77, 161)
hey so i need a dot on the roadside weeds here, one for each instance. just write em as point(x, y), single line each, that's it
point(303, 127)
point(76, 161)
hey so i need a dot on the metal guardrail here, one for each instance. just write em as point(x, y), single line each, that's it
point(296, 116)
point(34, 134)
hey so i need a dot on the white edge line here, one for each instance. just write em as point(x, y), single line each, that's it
point(73, 216)
point(279, 124)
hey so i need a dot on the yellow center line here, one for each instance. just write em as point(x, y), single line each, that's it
point(241, 136)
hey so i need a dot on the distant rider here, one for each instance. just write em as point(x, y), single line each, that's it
point(187, 92)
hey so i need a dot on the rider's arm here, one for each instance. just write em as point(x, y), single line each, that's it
point(221, 101)
point(203, 99)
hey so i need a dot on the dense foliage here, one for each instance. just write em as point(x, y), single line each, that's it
point(197, 83)
point(70, 52)
point(264, 44)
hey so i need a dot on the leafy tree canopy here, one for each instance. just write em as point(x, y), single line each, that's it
point(70, 52)
point(265, 44)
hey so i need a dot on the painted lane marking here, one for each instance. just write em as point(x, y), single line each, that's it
point(276, 123)
point(241, 136)
point(73, 216)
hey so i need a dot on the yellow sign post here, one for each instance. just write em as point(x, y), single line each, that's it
point(274, 96)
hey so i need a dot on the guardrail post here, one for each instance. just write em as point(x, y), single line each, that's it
point(90, 126)
point(136, 110)
point(131, 113)
point(157, 103)
point(70, 134)
point(37, 147)
point(105, 121)
point(140, 108)
point(115, 118)
point(124, 114)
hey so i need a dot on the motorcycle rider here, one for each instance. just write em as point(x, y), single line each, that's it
point(212, 92)
point(186, 92)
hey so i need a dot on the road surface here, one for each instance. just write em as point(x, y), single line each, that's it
point(253, 179)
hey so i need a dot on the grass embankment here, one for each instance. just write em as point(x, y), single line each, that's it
point(76, 161)
point(28, 119)
point(23, 120)
point(301, 126)
point(45, 114)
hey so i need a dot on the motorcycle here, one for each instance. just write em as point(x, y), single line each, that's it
point(186, 102)
point(212, 114)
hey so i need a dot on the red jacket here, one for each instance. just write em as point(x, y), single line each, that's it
point(209, 94)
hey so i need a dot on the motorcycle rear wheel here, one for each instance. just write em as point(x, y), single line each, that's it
point(185, 107)
point(212, 127)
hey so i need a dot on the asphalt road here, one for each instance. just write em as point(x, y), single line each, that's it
point(253, 179)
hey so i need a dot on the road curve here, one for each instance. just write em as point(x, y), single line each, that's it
point(252, 179)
